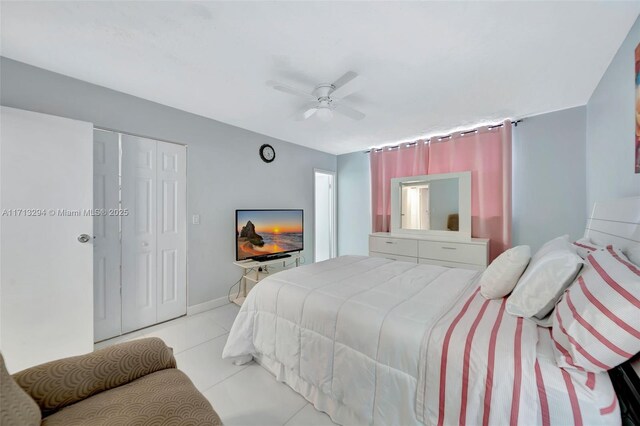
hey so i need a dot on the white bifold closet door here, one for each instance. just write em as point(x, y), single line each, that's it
point(139, 266)
point(171, 243)
point(106, 233)
point(153, 233)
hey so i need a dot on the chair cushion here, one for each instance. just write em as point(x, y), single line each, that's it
point(59, 383)
point(16, 407)
point(166, 397)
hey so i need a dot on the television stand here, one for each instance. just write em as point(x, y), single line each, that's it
point(273, 257)
point(256, 270)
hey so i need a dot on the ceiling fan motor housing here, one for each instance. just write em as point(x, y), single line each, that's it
point(323, 90)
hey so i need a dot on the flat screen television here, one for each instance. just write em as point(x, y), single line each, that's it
point(264, 234)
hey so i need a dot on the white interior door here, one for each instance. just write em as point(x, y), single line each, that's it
point(325, 237)
point(425, 212)
point(172, 230)
point(405, 210)
point(46, 169)
point(139, 238)
point(106, 232)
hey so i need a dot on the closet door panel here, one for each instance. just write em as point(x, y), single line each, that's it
point(106, 232)
point(139, 233)
point(172, 232)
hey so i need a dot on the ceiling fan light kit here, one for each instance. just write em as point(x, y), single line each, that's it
point(324, 113)
point(323, 99)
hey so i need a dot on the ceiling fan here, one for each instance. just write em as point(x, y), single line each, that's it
point(323, 98)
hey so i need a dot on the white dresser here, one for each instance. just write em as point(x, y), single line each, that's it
point(470, 254)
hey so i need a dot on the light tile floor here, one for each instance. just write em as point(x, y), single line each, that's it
point(242, 395)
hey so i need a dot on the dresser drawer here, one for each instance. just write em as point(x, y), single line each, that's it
point(453, 252)
point(394, 257)
point(390, 245)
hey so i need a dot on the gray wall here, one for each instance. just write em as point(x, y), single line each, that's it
point(611, 128)
point(548, 183)
point(354, 203)
point(224, 170)
point(549, 177)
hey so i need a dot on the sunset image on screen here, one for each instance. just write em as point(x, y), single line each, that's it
point(264, 232)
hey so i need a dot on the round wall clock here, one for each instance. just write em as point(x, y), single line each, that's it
point(267, 153)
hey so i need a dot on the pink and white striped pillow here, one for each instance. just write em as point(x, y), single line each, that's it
point(596, 325)
point(584, 247)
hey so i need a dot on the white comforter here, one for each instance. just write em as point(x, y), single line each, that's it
point(346, 333)
point(374, 341)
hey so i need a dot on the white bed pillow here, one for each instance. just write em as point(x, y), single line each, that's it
point(558, 243)
point(552, 269)
point(499, 279)
point(634, 255)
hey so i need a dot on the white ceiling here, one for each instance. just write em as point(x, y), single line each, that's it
point(426, 67)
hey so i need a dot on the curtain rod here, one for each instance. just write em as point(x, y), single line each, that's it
point(440, 138)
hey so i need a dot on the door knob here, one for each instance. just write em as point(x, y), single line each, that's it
point(84, 238)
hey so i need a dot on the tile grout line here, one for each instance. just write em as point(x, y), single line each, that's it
point(193, 347)
point(296, 413)
point(199, 344)
point(228, 377)
point(158, 327)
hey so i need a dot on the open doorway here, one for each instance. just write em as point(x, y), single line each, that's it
point(415, 207)
point(325, 215)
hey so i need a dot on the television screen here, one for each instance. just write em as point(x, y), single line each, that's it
point(261, 233)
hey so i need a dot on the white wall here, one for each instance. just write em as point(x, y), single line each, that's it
point(224, 171)
point(354, 203)
point(611, 128)
point(549, 177)
point(322, 206)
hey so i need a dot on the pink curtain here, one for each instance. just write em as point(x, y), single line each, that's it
point(486, 153)
point(386, 164)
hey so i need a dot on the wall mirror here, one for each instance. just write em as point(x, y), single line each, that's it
point(437, 204)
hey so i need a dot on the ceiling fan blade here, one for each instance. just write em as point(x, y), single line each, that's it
point(345, 85)
point(290, 90)
point(306, 111)
point(348, 111)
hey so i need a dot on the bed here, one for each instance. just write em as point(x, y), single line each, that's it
point(375, 341)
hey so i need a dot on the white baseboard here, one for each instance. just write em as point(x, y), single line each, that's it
point(211, 304)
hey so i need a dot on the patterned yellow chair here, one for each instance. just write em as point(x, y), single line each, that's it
point(131, 383)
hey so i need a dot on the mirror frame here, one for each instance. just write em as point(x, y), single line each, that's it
point(464, 203)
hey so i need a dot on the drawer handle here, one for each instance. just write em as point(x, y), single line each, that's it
point(449, 248)
point(390, 242)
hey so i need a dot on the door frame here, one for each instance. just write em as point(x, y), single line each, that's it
point(334, 211)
